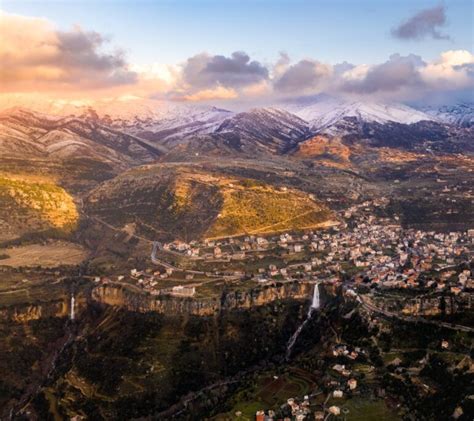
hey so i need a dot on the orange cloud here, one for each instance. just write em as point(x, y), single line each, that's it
point(34, 55)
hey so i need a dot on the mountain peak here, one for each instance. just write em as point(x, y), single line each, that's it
point(323, 112)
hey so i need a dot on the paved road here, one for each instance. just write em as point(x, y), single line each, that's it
point(157, 246)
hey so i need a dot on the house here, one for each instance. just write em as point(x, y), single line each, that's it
point(183, 291)
point(353, 355)
point(334, 410)
point(238, 255)
point(352, 383)
point(339, 367)
point(457, 412)
point(346, 373)
point(337, 394)
point(455, 290)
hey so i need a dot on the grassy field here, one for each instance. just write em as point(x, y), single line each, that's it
point(49, 255)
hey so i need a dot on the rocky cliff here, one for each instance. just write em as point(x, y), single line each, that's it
point(121, 296)
point(25, 313)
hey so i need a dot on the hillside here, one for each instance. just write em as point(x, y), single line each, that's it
point(166, 202)
point(251, 207)
point(329, 151)
point(29, 205)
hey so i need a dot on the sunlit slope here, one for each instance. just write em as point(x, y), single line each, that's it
point(255, 208)
point(161, 202)
point(30, 205)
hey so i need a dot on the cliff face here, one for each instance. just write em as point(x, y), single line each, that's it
point(120, 296)
point(60, 306)
point(425, 305)
point(25, 313)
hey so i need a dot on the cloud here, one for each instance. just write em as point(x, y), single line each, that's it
point(37, 57)
point(34, 55)
point(306, 75)
point(452, 70)
point(396, 73)
point(425, 23)
point(343, 67)
point(406, 78)
point(206, 71)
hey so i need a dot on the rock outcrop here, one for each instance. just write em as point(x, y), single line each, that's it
point(116, 295)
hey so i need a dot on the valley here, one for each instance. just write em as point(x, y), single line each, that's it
point(162, 265)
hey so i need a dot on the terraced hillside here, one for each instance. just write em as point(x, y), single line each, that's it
point(166, 202)
point(30, 205)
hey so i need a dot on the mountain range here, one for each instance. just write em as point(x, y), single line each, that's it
point(132, 132)
point(331, 147)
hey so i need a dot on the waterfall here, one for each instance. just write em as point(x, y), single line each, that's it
point(315, 304)
point(73, 304)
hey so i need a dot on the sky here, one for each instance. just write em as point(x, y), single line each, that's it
point(234, 51)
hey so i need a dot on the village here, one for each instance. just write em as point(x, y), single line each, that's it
point(371, 254)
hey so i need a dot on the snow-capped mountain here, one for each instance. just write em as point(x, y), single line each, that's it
point(140, 130)
point(250, 133)
point(161, 120)
point(461, 114)
point(25, 134)
point(157, 119)
point(176, 120)
point(323, 112)
point(271, 127)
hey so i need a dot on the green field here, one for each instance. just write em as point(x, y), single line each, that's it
point(362, 409)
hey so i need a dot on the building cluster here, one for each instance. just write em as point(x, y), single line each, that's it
point(341, 382)
point(147, 280)
point(363, 248)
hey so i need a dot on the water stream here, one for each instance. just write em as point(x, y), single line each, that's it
point(73, 309)
point(315, 304)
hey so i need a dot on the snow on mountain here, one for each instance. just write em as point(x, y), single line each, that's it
point(26, 134)
point(266, 128)
point(461, 114)
point(266, 123)
point(176, 120)
point(135, 115)
point(323, 112)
